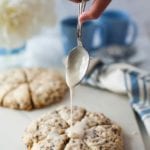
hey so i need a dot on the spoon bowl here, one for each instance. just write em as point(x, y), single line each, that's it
point(78, 62)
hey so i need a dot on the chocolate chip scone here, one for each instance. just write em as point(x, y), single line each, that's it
point(90, 131)
point(27, 89)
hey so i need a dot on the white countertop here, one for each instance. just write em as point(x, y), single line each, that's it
point(14, 122)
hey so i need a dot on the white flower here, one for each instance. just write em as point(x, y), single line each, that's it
point(21, 19)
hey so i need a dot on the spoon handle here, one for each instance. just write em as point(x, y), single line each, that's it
point(82, 6)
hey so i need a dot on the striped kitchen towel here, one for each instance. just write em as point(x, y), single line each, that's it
point(123, 79)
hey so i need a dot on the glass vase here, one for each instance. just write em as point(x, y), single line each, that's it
point(12, 58)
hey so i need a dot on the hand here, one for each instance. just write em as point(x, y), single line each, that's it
point(95, 11)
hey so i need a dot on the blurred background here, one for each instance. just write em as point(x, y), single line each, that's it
point(137, 11)
point(47, 48)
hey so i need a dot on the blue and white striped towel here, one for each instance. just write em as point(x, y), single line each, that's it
point(123, 79)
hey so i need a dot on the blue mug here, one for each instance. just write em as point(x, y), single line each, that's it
point(69, 35)
point(116, 24)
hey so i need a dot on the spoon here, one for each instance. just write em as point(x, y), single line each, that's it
point(78, 59)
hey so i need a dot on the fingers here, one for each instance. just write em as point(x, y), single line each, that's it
point(95, 11)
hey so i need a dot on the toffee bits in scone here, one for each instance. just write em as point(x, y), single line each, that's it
point(27, 89)
point(90, 131)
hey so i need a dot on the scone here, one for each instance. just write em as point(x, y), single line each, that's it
point(90, 131)
point(27, 89)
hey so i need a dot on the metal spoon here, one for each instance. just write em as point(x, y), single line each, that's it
point(78, 59)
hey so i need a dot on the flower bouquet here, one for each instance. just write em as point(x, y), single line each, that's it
point(19, 21)
point(22, 19)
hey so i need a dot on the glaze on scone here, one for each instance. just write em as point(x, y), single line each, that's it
point(27, 89)
point(90, 131)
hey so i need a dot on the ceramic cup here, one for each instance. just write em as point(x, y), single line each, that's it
point(89, 30)
point(116, 24)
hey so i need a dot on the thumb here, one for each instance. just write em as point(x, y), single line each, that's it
point(95, 11)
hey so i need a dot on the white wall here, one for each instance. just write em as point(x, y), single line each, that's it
point(66, 8)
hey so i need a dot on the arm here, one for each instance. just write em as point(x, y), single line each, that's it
point(95, 11)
